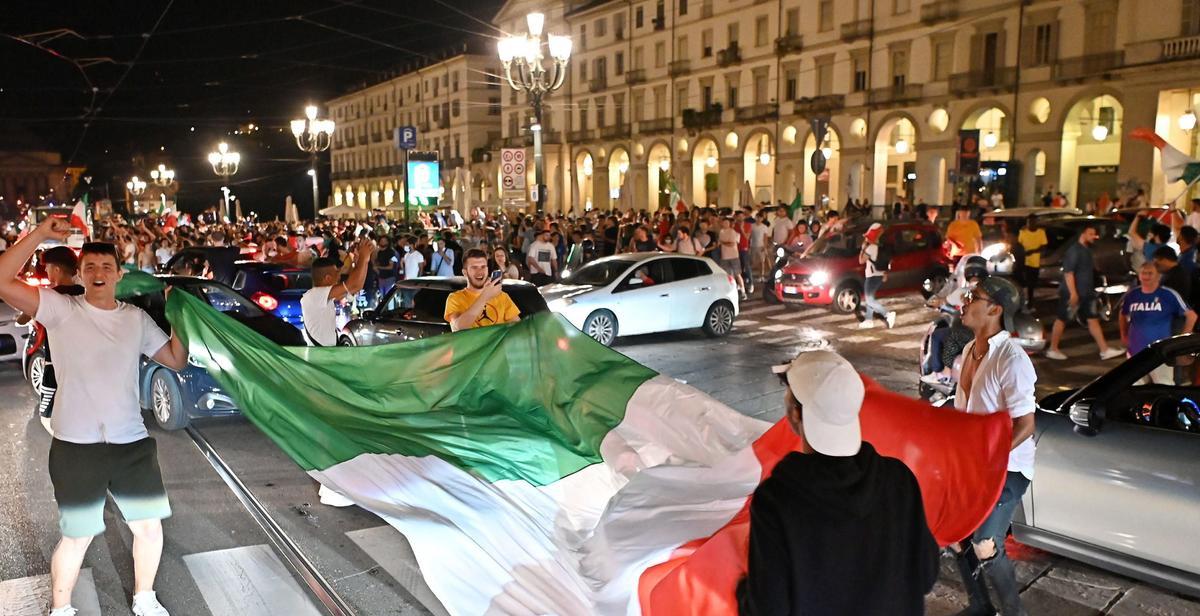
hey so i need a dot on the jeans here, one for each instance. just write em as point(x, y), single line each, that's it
point(999, 569)
point(872, 305)
point(936, 340)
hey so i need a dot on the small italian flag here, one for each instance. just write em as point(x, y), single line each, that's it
point(535, 471)
point(678, 203)
point(1176, 165)
point(79, 215)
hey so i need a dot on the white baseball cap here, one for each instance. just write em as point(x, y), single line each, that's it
point(830, 393)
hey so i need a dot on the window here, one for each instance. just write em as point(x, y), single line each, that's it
point(706, 95)
point(858, 65)
point(494, 106)
point(582, 71)
point(943, 60)
point(681, 48)
point(660, 54)
point(706, 43)
point(619, 26)
point(600, 113)
point(657, 271)
point(455, 109)
point(900, 7)
point(583, 116)
point(619, 109)
point(789, 84)
point(638, 17)
point(493, 80)
point(733, 100)
point(639, 104)
point(793, 22)
point(761, 31)
point(733, 34)
point(683, 7)
point(760, 87)
point(453, 86)
point(619, 64)
point(825, 16)
point(660, 102)
point(899, 67)
point(601, 27)
point(637, 58)
point(825, 76)
point(1043, 44)
point(582, 37)
point(681, 99)
point(682, 269)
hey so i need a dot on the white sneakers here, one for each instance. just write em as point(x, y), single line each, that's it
point(868, 324)
point(891, 319)
point(937, 378)
point(64, 611)
point(1112, 352)
point(1053, 354)
point(146, 604)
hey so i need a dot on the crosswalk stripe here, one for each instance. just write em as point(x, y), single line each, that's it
point(744, 323)
point(752, 334)
point(30, 596)
point(247, 580)
point(904, 345)
point(797, 314)
point(762, 309)
point(857, 339)
point(919, 328)
point(392, 551)
point(777, 328)
point(832, 317)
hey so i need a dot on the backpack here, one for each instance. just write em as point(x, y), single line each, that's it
point(883, 258)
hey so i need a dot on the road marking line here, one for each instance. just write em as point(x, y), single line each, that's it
point(910, 330)
point(248, 580)
point(386, 546)
point(752, 334)
point(904, 345)
point(777, 328)
point(857, 339)
point(744, 323)
point(30, 596)
point(832, 318)
point(761, 310)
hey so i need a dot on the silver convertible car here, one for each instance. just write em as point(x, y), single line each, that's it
point(1117, 477)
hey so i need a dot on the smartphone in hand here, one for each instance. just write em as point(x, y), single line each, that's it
point(497, 275)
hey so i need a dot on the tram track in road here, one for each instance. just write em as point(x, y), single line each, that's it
point(286, 547)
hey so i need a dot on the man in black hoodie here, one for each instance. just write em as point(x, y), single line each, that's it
point(837, 529)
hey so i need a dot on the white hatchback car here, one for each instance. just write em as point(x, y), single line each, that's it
point(643, 293)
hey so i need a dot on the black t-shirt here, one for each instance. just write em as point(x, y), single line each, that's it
point(221, 262)
point(384, 263)
point(1078, 261)
point(610, 240)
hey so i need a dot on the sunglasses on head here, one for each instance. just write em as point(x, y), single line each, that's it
point(972, 295)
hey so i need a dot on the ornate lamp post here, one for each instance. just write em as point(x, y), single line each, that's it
point(522, 58)
point(224, 164)
point(163, 178)
point(313, 136)
point(135, 187)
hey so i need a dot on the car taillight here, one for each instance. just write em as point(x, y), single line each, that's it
point(264, 301)
point(732, 280)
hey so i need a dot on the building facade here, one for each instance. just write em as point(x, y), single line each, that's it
point(719, 97)
point(454, 105)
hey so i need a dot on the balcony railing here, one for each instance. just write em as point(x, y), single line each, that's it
point(423, 127)
point(894, 94)
point(939, 11)
point(481, 155)
point(1000, 78)
point(791, 43)
point(816, 105)
point(577, 136)
point(854, 30)
point(1181, 48)
point(339, 175)
point(659, 23)
point(729, 56)
point(362, 139)
point(754, 113)
point(660, 125)
point(1088, 66)
point(444, 122)
point(679, 68)
point(517, 141)
point(550, 137)
point(597, 83)
point(376, 137)
point(703, 118)
point(616, 131)
point(635, 76)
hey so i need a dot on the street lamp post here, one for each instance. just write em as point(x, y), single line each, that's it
point(522, 58)
point(313, 136)
point(163, 178)
point(224, 164)
point(135, 187)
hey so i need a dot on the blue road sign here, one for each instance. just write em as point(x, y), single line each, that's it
point(406, 137)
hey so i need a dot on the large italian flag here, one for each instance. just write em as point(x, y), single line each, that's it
point(535, 471)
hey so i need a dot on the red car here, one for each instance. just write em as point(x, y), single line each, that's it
point(830, 274)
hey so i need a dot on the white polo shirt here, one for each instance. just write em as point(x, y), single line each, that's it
point(1004, 381)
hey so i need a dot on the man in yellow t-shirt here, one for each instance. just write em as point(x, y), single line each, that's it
point(964, 233)
point(1033, 239)
point(483, 302)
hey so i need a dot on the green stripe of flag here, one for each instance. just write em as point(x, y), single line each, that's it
point(530, 400)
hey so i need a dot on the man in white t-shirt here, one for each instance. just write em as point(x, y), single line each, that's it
point(728, 238)
point(781, 227)
point(318, 305)
point(542, 259)
point(100, 444)
point(996, 376)
point(412, 262)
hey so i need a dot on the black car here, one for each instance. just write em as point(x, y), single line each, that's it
point(416, 309)
point(1108, 252)
point(275, 287)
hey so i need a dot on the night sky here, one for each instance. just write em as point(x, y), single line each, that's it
point(120, 86)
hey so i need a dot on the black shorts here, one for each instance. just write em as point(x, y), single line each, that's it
point(1086, 308)
point(83, 474)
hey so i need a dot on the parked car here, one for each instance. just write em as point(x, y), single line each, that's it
point(275, 287)
point(1117, 472)
point(996, 250)
point(829, 273)
point(1108, 252)
point(176, 398)
point(12, 336)
point(646, 292)
point(416, 309)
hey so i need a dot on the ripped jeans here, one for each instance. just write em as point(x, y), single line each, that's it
point(998, 569)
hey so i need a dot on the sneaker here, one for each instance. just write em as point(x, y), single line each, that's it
point(868, 324)
point(744, 296)
point(1052, 354)
point(146, 604)
point(891, 319)
point(937, 378)
point(1112, 352)
point(64, 611)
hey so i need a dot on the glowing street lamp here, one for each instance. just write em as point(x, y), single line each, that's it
point(224, 163)
point(135, 187)
point(163, 178)
point(313, 136)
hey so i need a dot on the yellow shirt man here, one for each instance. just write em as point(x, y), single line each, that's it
point(500, 309)
point(1032, 242)
point(966, 233)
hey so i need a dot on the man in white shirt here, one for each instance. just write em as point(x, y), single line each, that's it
point(781, 227)
point(996, 376)
point(100, 444)
point(318, 305)
point(542, 259)
point(730, 261)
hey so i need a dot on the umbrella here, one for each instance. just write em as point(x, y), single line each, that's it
point(747, 194)
point(342, 211)
point(626, 199)
point(237, 209)
point(576, 204)
point(291, 214)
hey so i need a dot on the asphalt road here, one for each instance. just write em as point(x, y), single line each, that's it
point(217, 561)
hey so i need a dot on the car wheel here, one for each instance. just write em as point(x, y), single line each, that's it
point(719, 320)
point(932, 285)
point(37, 370)
point(847, 298)
point(166, 401)
point(345, 341)
point(601, 326)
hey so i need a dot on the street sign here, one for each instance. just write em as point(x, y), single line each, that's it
point(512, 173)
point(817, 161)
point(968, 152)
point(406, 137)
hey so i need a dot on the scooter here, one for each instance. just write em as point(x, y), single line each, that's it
point(1029, 336)
point(783, 254)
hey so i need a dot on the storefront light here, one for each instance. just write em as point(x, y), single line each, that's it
point(711, 162)
point(1187, 121)
point(990, 140)
point(1099, 132)
point(902, 146)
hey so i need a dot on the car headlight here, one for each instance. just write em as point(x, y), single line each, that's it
point(560, 304)
point(993, 251)
point(779, 252)
point(818, 278)
point(778, 274)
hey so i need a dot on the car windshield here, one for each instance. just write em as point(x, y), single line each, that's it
point(600, 273)
point(836, 245)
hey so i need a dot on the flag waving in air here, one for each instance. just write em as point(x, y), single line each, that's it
point(677, 201)
point(535, 471)
point(1176, 165)
point(794, 207)
point(79, 215)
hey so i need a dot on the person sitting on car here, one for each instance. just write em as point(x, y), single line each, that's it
point(967, 274)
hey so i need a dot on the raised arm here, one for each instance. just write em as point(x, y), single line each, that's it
point(18, 294)
point(358, 276)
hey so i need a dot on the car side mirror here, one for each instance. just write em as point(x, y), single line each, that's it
point(368, 314)
point(1085, 417)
